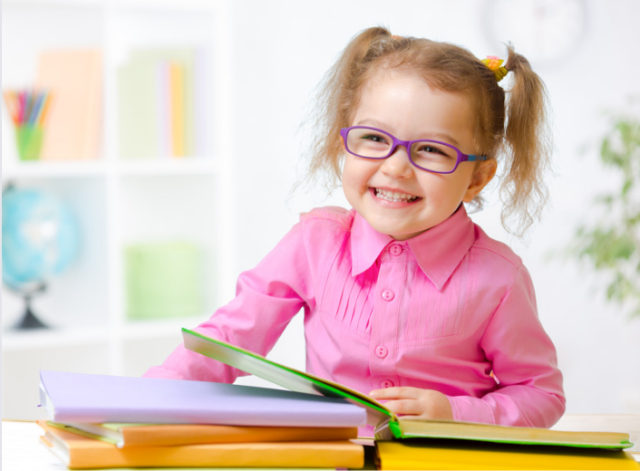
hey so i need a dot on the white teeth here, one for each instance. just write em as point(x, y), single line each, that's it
point(394, 196)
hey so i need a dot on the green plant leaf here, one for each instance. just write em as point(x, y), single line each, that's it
point(612, 243)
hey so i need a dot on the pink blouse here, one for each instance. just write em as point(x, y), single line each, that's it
point(449, 309)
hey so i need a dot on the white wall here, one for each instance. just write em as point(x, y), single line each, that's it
point(282, 48)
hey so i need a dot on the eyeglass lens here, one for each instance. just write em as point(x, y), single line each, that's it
point(429, 155)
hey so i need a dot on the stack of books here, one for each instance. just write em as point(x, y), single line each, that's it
point(100, 421)
point(401, 443)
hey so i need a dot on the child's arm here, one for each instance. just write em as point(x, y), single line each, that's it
point(524, 362)
point(267, 297)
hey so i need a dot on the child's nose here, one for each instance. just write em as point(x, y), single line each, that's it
point(397, 165)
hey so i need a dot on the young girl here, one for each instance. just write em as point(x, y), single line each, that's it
point(404, 297)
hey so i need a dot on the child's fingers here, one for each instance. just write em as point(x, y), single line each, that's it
point(415, 402)
point(402, 392)
point(404, 407)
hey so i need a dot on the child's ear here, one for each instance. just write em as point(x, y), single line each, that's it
point(481, 177)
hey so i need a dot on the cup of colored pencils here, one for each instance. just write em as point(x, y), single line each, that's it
point(28, 111)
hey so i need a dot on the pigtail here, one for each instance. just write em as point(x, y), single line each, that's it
point(523, 191)
point(337, 97)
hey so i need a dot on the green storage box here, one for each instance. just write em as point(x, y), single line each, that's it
point(163, 280)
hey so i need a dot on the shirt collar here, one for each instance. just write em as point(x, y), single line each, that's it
point(438, 251)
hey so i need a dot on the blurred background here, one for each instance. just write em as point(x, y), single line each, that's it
point(158, 144)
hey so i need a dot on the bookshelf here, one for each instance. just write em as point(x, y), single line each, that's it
point(116, 201)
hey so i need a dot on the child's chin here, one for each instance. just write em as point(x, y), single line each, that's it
point(394, 230)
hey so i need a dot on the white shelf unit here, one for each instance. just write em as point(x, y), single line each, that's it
point(117, 202)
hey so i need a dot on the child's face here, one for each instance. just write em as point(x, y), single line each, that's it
point(404, 105)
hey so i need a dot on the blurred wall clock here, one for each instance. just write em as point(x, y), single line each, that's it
point(544, 31)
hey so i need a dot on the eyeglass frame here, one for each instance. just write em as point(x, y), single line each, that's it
point(462, 157)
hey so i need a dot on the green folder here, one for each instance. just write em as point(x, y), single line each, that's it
point(163, 280)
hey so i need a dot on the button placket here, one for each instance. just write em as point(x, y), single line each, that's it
point(384, 329)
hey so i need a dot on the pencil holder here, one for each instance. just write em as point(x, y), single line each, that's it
point(29, 141)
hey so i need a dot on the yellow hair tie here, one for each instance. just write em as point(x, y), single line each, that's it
point(494, 64)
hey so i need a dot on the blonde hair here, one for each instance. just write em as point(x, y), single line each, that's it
point(513, 128)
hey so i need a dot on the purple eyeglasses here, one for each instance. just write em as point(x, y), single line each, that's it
point(426, 154)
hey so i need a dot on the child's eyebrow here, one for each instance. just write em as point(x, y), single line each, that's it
point(371, 122)
point(448, 138)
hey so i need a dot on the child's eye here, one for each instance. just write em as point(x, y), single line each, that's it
point(374, 138)
point(431, 150)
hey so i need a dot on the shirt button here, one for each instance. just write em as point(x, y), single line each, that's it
point(395, 250)
point(387, 383)
point(387, 295)
point(381, 351)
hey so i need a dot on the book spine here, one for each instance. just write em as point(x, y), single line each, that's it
point(165, 142)
point(202, 100)
point(89, 147)
point(176, 77)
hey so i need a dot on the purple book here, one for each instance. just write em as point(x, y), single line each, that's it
point(79, 397)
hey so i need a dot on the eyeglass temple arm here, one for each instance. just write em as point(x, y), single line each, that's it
point(473, 158)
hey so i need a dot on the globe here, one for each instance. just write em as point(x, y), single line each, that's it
point(39, 238)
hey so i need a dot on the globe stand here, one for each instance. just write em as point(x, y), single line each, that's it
point(29, 320)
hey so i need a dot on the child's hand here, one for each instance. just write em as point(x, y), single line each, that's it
point(415, 402)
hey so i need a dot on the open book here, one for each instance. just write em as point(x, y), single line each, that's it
point(388, 425)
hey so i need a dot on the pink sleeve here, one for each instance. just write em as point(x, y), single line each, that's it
point(267, 297)
point(524, 360)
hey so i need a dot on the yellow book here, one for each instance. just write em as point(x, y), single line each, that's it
point(79, 452)
point(177, 109)
point(128, 435)
point(453, 455)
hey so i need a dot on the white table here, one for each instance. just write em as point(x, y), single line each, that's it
point(626, 423)
point(22, 451)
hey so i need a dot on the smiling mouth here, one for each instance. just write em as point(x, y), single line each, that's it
point(394, 196)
